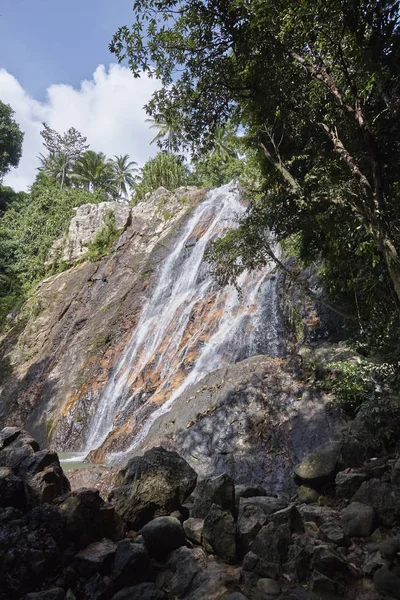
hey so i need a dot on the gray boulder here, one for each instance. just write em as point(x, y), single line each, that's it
point(333, 534)
point(143, 591)
point(270, 587)
point(318, 514)
point(251, 519)
point(357, 519)
point(271, 545)
point(53, 594)
point(219, 534)
point(97, 557)
point(348, 482)
point(214, 490)
point(387, 583)
point(153, 485)
point(320, 465)
point(130, 563)
point(193, 529)
point(383, 497)
point(163, 535)
point(307, 495)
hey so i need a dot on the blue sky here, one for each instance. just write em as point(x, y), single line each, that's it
point(55, 67)
point(43, 42)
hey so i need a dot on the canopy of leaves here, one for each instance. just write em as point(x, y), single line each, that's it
point(315, 87)
point(166, 169)
point(11, 138)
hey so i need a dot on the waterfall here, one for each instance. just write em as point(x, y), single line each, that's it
point(188, 327)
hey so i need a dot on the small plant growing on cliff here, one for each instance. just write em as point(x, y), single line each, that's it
point(105, 238)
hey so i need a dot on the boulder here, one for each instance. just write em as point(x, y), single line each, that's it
point(333, 533)
point(97, 557)
point(271, 546)
point(250, 520)
point(387, 583)
point(307, 495)
point(357, 520)
point(320, 465)
point(130, 563)
point(395, 476)
point(373, 562)
point(52, 594)
point(89, 518)
point(318, 514)
point(390, 547)
point(219, 533)
point(235, 596)
point(322, 584)
point(267, 504)
point(214, 490)
point(153, 485)
point(193, 529)
point(384, 497)
point(270, 587)
point(163, 535)
point(327, 561)
point(348, 482)
point(143, 591)
point(298, 560)
point(249, 491)
point(290, 516)
point(12, 490)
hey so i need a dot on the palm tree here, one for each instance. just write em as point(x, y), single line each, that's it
point(166, 129)
point(124, 177)
point(223, 144)
point(93, 172)
point(58, 165)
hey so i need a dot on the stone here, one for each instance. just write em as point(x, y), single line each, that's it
point(320, 465)
point(163, 535)
point(153, 485)
point(214, 490)
point(348, 482)
point(193, 529)
point(219, 533)
point(298, 560)
point(328, 561)
point(333, 534)
point(322, 584)
point(387, 583)
point(395, 476)
point(291, 516)
point(390, 547)
point(307, 495)
point(318, 514)
point(53, 594)
point(12, 490)
point(249, 491)
point(250, 520)
point(97, 588)
point(384, 497)
point(267, 504)
point(254, 564)
point(269, 587)
point(143, 591)
point(97, 557)
point(130, 563)
point(373, 563)
point(89, 518)
point(271, 546)
point(235, 596)
point(357, 519)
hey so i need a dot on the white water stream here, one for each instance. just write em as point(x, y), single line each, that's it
point(232, 328)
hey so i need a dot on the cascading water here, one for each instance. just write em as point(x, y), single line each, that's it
point(187, 328)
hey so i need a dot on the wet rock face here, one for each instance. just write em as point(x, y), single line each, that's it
point(252, 420)
point(77, 322)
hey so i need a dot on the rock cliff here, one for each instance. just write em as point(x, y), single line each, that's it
point(57, 355)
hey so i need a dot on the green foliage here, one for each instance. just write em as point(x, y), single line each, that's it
point(11, 138)
point(166, 170)
point(352, 383)
point(28, 228)
point(315, 88)
point(105, 239)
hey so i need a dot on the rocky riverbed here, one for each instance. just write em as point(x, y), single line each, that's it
point(164, 534)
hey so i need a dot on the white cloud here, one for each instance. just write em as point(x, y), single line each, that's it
point(108, 110)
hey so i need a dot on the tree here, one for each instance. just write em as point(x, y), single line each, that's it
point(124, 174)
point(11, 138)
point(167, 134)
point(58, 166)
point(64, 150)
point(93, 172)
point(315, 86)
point(166, 170)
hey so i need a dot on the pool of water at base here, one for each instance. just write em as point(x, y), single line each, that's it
point(73, 460)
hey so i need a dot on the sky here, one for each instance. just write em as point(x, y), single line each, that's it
point(55, 66)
